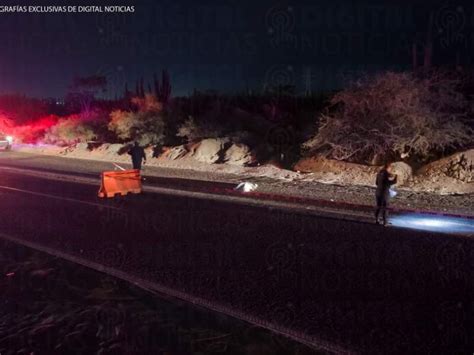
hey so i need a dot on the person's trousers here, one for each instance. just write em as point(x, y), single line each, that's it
point(137, 165)
point(381, 206)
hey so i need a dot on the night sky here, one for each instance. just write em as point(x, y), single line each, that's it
point(224, 45)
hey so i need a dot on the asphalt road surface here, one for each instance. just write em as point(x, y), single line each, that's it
point(339, 284)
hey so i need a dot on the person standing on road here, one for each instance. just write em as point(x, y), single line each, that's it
point(382, 193)
point(138, 156)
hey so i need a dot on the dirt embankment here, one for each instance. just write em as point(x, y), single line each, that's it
point(451, 175)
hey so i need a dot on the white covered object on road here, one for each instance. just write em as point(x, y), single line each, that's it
point(246, 187)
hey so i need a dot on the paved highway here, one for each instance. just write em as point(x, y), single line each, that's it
point(340, 284)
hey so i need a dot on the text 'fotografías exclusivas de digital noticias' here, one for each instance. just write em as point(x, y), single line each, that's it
point(66, 9)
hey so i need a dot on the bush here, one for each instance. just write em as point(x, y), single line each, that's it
point(6, 123)
point(192, 131)
point(394, 115)
point(34, 131)
point(147, 125)
point(69, 131)
point(23, 110)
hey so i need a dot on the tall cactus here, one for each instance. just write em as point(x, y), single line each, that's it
point(414, 57)
point(126, 92)
point(142, 87)
point(137, 89)
point(429, 45)
point(156, 84)
point(163, 88)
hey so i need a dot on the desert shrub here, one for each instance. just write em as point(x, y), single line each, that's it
point(6, 123)
point(193, 131)
point(212, 120)
point(393, 115)
point(98, 120)
point(21, 109)
point(147, 125)
point(220, 117)
point(35, 130)
point(69, 131)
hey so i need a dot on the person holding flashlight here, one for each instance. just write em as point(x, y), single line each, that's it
point(382, 193)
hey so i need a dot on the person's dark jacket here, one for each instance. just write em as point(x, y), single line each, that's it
point(138, 155)
point(384, 181)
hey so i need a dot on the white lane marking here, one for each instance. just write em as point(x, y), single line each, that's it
point(67, 199)
point(53, 176)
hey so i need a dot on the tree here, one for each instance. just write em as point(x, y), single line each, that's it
point(83, 93)
point(394, 115)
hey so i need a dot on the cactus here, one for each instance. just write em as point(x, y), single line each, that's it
point(142, 88)
point(429, 45)
point(163, 89)
point(137, 89)
point(156, 84)
point(126, 92)
point(414, 57)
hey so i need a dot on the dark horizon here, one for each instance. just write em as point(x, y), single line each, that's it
point(227, 47)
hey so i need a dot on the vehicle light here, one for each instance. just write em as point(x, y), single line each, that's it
point(9, 139)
